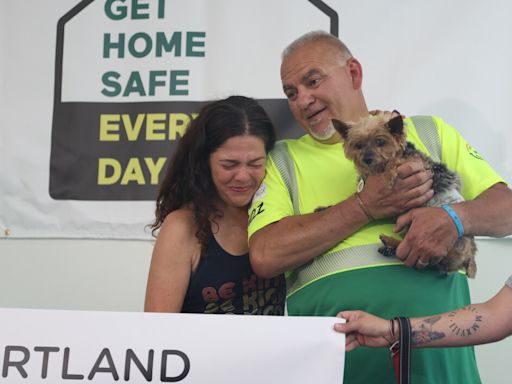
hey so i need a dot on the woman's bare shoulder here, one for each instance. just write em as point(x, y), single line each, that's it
point(181, 222)
point(177, 236)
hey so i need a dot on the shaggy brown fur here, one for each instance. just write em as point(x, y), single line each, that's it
point(378, 146)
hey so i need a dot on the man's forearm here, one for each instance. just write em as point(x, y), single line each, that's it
point(489, 214)
point(295, 240)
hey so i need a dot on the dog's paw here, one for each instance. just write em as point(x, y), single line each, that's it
point(389, 245)
point(471, 268)
point(387, 251)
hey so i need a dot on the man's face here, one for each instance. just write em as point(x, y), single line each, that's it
point(318, 85)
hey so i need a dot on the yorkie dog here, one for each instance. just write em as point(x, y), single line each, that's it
point(378, 145)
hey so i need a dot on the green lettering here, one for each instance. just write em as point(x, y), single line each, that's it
point(168, 46)
point(154, 82)
point(117, 13)
point(161, 9)
point(134, 85)
point(108, 45)
point(136, 7)
point(109, 80)
point(147, 44)
point(194, 41)
point(175, 82)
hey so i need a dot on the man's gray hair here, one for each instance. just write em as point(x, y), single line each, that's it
point(315, 36)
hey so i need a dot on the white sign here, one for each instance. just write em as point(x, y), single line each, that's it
point(97, 93)
point(51, 346)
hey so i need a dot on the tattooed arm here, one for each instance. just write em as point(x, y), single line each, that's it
point(475, 324)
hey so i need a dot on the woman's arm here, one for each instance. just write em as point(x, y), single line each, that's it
point(175, 255)
point(471, 325)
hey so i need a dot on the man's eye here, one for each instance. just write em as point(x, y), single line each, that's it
point(290, 94)
point(313, 82)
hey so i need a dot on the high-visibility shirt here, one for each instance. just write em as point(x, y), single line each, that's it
point(353, 275)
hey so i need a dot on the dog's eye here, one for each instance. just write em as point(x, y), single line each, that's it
point(380, 142)
point(358, 146)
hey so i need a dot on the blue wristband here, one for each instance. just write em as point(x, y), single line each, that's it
point(455, 218)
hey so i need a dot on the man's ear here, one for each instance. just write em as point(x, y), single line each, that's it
point(396, 126)
point(341, 127)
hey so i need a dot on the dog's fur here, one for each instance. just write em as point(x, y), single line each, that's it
point(378, 146)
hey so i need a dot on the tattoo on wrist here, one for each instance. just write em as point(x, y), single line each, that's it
point(425, 334)
point(465, 321)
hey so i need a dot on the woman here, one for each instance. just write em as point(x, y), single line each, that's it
point(200, 262)
point(471, 325)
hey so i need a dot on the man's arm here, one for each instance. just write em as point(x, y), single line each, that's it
point(295, 240)
point(432, 232)
point(489, 214)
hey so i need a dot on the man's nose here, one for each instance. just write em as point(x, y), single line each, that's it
point(305, 99)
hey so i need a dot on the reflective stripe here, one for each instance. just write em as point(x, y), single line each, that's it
point(363, 256)
point(427, 132)
point(357, 257)
point(284, 165)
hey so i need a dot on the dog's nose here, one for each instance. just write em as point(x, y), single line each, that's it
point(367, 160)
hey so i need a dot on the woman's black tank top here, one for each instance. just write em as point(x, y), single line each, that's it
point(223, 283)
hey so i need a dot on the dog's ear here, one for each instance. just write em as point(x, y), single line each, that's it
point(341, 127)
point(396, 126)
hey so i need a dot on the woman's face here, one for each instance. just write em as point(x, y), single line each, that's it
point(238, 167)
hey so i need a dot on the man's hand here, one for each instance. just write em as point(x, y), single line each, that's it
point(412, 188)
point(430, 236)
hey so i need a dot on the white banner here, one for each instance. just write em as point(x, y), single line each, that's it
point(95, 94)
point(49, 346)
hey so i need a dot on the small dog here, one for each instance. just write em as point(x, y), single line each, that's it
point(378, 146)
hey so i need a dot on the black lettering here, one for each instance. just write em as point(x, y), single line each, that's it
point(65, 367)
point(46, 354)
point(105, 353)
point(163, 372)
point(146, 372)
point(17, 364)
point(256, 211)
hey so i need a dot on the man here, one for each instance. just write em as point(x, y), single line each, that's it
point(308, 220)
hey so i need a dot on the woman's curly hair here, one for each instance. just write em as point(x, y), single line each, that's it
point(188, 180)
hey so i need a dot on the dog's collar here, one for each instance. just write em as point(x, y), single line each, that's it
point(360, 184)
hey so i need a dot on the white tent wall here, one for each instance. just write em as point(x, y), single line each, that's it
point(451, 59)
point(111, 276)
